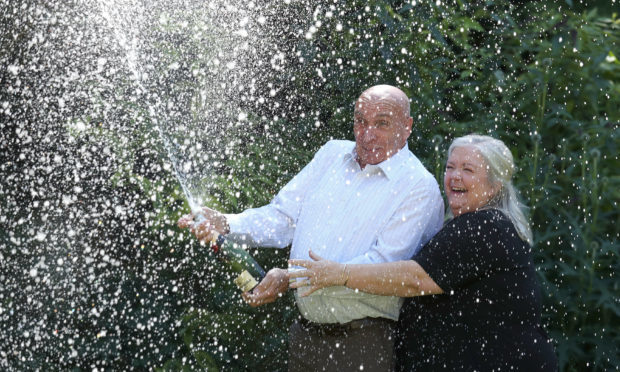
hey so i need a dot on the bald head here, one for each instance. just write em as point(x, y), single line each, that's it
point(386, 93)
point(382, 123)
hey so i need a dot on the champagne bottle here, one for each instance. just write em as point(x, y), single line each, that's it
point(239, 260)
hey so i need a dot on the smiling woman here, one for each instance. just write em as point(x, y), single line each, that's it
point(466, 181)
point(478, 176)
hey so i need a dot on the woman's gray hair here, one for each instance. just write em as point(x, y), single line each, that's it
point(500, 165)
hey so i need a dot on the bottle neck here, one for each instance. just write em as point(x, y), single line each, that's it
point(217, 242)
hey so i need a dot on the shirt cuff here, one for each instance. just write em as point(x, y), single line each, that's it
point(233, 221)
point(236, 234)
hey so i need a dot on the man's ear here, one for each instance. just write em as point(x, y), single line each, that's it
point(409, 126)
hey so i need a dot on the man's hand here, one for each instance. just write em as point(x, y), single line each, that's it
point(269, 289)
point(213, 222)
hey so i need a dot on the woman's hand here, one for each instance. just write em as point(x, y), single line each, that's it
point(319, 273)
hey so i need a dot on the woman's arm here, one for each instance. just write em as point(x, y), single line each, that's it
point(401, 278)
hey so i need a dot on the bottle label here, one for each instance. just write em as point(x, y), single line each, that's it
point(245, 281)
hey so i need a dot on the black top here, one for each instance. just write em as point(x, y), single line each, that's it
point(488, 317)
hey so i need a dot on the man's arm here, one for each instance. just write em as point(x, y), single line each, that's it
point(273, 225)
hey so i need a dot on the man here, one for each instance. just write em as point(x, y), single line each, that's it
point(364, 202)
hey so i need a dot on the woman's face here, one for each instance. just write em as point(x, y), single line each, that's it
point(466, 181)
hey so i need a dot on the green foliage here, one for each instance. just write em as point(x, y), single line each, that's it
point(261, 163)
point(145, 295)
point(208, 325)
point(545, 81)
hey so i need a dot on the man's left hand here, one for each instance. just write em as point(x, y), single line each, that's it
point(269, 289)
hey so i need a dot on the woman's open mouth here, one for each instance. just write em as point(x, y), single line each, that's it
point(458, 190)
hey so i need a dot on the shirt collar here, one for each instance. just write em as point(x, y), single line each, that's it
point(390, 167)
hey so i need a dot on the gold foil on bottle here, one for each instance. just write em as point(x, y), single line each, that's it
point(245, 281)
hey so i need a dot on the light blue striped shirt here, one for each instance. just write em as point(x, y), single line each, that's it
point(381, 213)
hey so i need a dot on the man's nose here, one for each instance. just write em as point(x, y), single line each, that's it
point(369, 133)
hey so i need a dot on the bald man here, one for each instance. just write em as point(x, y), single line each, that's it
point(365, 202)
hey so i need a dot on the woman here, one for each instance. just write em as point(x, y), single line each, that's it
point(474, 300)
